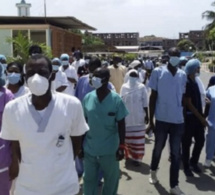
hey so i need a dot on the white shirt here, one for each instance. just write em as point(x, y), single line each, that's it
point(47, 165)
point(76, 64)
point(22, 91)
point(60, 79)
point(71, 73)
point(149, 65)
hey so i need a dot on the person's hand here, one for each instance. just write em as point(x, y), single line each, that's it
point(207, 101)
point(119, 154)
point(146, 119)
point(81, 154)
point(204, 122)
point(14, 169)
point(151, 126)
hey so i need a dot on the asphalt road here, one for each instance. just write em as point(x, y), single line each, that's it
point(134, 180)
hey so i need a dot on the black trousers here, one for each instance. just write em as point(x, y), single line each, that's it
point(193, 129)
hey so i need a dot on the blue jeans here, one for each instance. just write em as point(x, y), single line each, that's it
point(175, 132)
point(210, 143)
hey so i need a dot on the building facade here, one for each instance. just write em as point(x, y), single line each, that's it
point(196, 36)
point(55, 32)
point(119, 39)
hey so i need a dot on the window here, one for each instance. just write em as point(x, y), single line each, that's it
point(38, 36)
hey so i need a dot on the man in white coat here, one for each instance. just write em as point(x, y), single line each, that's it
point(47, 127)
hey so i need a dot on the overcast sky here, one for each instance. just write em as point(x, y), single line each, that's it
point(164, 18)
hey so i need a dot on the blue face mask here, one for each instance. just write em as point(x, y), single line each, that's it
point(55, 68)
point(13, 78)
point(139, 69)
point(174, 61)
point(96, 82)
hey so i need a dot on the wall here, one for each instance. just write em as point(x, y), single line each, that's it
point(63, 41)
point(5, 48)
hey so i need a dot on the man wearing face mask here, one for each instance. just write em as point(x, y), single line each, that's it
point(104, 143)
point(117, 73)
point(47, 146)
point(70, 72)
point(194, 120)
point(79, 62)
point(84, 86)
point(60, 83)
point(168, 86)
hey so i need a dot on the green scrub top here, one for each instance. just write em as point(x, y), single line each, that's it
point(102, 117)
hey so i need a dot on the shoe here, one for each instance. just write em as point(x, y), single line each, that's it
point(195, 168)
point(188, 172)
point(136, 163)
point(153, 177)
point(207, 163)
point(176, 191)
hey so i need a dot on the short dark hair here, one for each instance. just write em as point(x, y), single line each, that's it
point(35, 49)
point(174, 51)
point(40, 56)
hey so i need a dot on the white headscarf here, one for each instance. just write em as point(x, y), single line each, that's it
point(132, 84)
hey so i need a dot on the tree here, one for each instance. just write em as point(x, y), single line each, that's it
point(21, 45)
point(186, 45)
point(210, 16)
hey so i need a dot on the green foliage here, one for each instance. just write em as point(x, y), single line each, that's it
point(91, 40)
point(130, 56)
point(210, 16)
point(186, 45)
point(21, 45)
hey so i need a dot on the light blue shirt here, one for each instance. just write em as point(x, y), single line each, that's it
point(211, 96)
point(83, 87)
point(170, 90)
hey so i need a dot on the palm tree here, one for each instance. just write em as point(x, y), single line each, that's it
point(210, 16)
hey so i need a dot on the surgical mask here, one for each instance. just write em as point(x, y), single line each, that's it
point(96, 82)
point(197, 74)
point(55, 67)
point(118, 64)
point(5, 66)
point(174, 61)
point(133, 80)
point(183, 68)
point(38, 85)
point(139, 69)
point(65, 63)
point(13, 78)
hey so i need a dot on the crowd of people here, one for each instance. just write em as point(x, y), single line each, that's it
point(94, 112)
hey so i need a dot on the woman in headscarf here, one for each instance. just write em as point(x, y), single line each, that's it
point(5, 150)
point(15, 79)
point(134, 94)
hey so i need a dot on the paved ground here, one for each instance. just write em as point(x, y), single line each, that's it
point(134, 181)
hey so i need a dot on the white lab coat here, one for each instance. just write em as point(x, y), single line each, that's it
point(71, 73)
point(60, 79)
point(47, 166)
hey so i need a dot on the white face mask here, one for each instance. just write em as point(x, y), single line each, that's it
point(96, 82)
point(174, 61)
point(139, 69)
point(133, 80)
point(38, 85)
